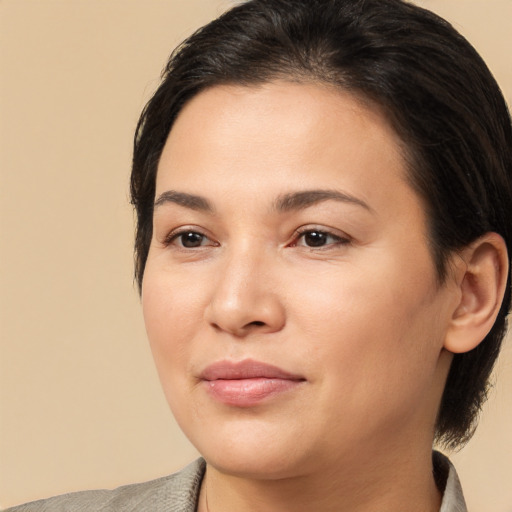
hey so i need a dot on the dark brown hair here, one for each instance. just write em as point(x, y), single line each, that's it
point(431, 84)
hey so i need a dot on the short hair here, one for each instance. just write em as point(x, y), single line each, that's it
point(433, 88)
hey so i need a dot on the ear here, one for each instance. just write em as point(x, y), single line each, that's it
point(482, 280)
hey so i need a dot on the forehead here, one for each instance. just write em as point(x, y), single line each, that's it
point(236, 142)
point(286, 125)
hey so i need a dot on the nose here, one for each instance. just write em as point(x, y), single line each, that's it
point(246, 298)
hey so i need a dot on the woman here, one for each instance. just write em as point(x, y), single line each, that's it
point(323, 192)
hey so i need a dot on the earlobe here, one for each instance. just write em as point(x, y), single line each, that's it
point(482, 285)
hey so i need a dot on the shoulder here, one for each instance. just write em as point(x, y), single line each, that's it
point(174, 493)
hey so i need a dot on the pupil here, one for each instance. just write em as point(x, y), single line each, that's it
point(315, 238)
point(191, 239)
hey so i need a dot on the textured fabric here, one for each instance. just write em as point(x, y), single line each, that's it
point(174, 493)
point(180, 492)
point(453, 499)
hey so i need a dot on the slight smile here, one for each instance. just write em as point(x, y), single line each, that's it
point(247, 383)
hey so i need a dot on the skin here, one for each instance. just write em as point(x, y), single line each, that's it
point(361, 319)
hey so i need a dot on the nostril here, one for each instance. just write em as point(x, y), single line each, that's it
point(257, 323)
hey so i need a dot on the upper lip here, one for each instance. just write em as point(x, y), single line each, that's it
point(246, 369)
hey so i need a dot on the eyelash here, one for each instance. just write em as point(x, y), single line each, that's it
point(301, 233)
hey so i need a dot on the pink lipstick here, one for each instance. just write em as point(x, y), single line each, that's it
point(247, 383)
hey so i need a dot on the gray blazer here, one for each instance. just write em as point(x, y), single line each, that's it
point(174, 493)
point(180, 492)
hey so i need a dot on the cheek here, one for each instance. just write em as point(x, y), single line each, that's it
point(370, 324)
point(172, 309)
point(170, 325)
point(374, 368)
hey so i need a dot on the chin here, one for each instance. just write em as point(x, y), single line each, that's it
point(251, 450)
point(254, 464)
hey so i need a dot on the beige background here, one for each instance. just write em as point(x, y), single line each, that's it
point(80, 403)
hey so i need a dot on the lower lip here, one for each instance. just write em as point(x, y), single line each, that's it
point(248, 392)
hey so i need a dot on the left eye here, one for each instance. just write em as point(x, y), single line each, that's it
point(317, 238)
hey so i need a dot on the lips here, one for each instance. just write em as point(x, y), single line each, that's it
point(247, 383)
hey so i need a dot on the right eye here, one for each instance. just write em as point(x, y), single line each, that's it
point(188, 239)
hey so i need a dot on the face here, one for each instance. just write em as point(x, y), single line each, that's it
point(289, 295)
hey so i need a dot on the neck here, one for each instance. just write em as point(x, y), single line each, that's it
point(359, 486)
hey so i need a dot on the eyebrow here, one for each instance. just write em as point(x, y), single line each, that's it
point(191, 201)
point(304, 199)
point(284, 203)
